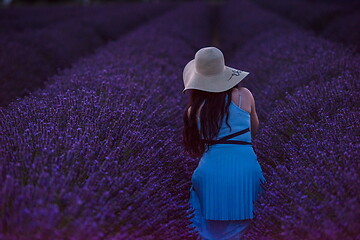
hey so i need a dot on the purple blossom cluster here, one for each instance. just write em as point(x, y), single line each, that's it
point(310, 149)
point(96, 154)
point(307, 94)
point(29, 57)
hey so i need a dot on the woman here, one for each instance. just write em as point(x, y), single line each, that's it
point(219, 123)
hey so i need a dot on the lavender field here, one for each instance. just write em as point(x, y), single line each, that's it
point(41, 47)
point(91, 117)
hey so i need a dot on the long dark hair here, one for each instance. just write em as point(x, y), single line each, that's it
point(211, 116)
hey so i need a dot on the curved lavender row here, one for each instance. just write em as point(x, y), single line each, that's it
point(28, 58)
point(304, 94)
point(236, 29)
point(100, 157)
point(282, 60)
point(21, 18)
point(335, 21)
point(345, 29)
point(312, 150)
point(276, 57)
point(314, 15)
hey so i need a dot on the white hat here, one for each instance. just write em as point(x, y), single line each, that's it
point(207, 72)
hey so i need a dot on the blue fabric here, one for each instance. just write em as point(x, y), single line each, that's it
point(226, 183)
point(215, 229)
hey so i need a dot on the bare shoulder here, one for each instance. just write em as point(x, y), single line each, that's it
point(245, 90)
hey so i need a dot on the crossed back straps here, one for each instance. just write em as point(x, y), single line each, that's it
point(225, 140)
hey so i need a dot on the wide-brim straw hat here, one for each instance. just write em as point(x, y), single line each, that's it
point(208, 72)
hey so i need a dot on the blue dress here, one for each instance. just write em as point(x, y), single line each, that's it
point(227, 181)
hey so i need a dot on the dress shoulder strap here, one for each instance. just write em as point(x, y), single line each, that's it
point(239, 100)
point(239, 97)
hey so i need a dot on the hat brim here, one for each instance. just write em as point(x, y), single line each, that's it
point(221, 82)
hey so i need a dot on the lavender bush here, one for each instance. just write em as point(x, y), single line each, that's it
point(307, 94)
point(28, 58)
point(310, 147)
point(279, 62)
point(95, 155)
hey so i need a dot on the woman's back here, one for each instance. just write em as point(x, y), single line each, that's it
point(227, 178)
point(239, 119)
point(242, 114)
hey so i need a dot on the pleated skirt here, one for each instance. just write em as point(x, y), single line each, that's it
point(225, 186)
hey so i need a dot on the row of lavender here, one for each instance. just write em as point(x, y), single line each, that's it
point(307, 94)
point(337, 21)
point(23, 18)
point(28, 58)
point(281, 45)
point(107, 106)
point(96, 154)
